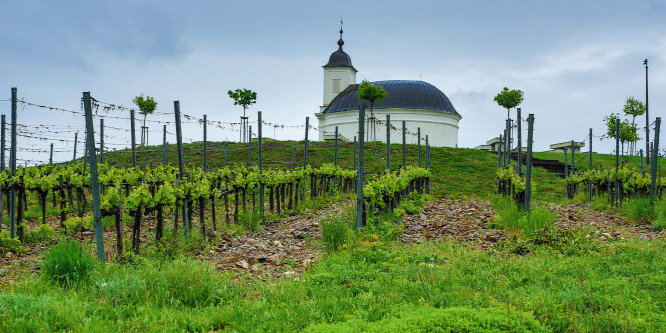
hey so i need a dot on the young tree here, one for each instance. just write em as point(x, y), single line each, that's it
point(509, 99)
point(634, 108)
point(146, 105)
point(371, 93)
point(244, 98)
point(628, 131)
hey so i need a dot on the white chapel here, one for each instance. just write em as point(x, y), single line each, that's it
point(419, 104)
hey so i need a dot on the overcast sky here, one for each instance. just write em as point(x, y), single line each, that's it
point(576, 61)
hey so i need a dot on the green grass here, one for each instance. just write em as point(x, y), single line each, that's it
point(618, 288)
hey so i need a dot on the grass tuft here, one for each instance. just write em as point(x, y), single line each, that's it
point(67, 264)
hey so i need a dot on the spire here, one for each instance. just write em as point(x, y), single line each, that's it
point(341, 42)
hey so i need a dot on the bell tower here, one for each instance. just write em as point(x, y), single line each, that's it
point(339, 73)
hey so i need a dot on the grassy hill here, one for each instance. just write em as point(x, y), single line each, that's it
point(457, 172)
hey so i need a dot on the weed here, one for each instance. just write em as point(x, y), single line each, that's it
point(8, 244)
point(638, 210)
point(67, 264)
point(659, 223)
point(336, 230)
point(512, 218)
point(42, 233)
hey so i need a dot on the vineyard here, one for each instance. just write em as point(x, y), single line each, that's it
point(230, 193)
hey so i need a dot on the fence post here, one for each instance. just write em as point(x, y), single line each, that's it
point(2, 138)
point(335, 156)
point(249, 148)
point(133, 138)
point(305, 151)
point(165, 152)
point(355, 164)
point(617, 160)
point(181, 162)
point(655, 157)
point(507, 147)
point(12, 166)
point(261, 186)
point(101, 140)
point(94, 182)
point(520, 143)
point(427, 162)
point(573, 162)
point(404, 145)
point(500, 148)
point(566, 171)
point(388, 142)
point(50, 157)
point(226, 153)
point(359, 177)
point(205, 143)
point(85, 153)
point(589, 180)
point(419, 144)
point(76, 139)
point(528, 167)
point(642, 167)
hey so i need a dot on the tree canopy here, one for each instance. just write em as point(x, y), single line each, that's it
point(243, 97)
point(628, 131)
point(509, 99)
point(146, 105)
point(371, 93)
point(634, 107)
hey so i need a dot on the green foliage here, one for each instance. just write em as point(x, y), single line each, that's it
point(412, 204)
point(146, 105)
point(551, 239)
point(371, 93)
point(383, 225)
point(638, 210)
point(42, 233)
point(336, 230)
point(76, 224)
point(628, 131)
point(243, 97)
point(509, 98)
point(67, 264)
point(454, 319)
point(660, 215)
point(8, 244)
point(634, 107)
point(536, 219)
point(250, 220)
point(512, 218)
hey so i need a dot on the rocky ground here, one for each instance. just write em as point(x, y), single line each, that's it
point(286, 249)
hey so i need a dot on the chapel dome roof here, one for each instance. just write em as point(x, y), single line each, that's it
point(402, 94)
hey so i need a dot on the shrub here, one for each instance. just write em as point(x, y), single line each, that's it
point(43, 233)
point(76, 224)
point(8, 244)
point(536, 219)
point(336, 230)
point(574, 242)
point(455, 319)
point(638, 210)
point(511, 217)
point(67, 264)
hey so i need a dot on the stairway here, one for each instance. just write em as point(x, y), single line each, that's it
point(556, 167)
